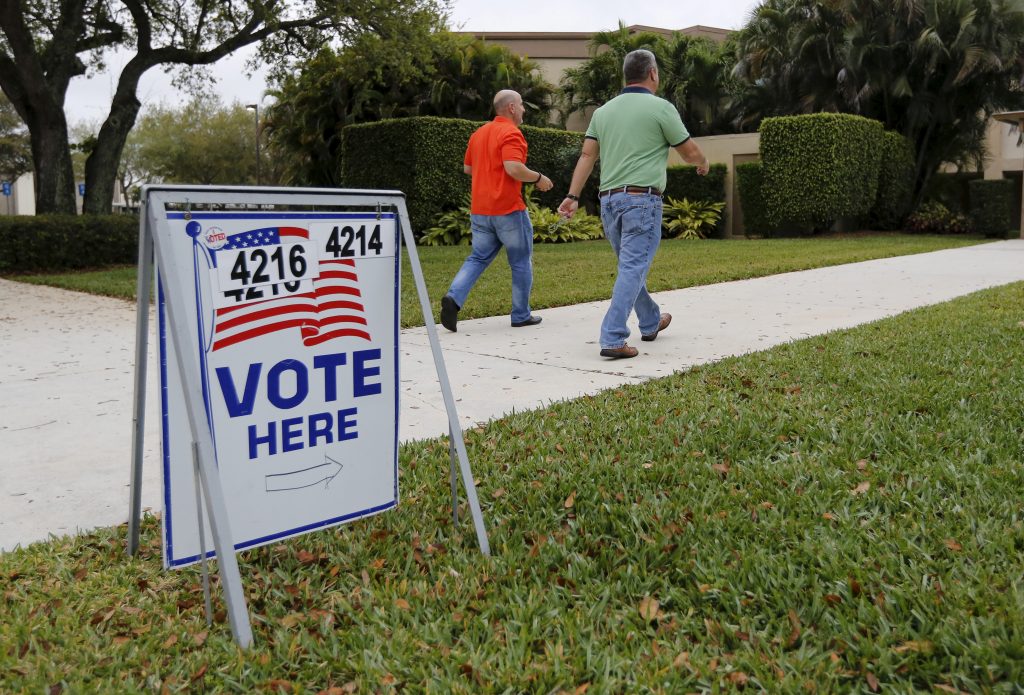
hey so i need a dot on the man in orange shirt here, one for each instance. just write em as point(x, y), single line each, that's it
point(496, 160)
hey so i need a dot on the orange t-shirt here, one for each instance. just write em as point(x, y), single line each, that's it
point(494, 191)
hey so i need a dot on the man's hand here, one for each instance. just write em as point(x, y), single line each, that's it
point(568, 208)
point(704, 167)
point(544, 184)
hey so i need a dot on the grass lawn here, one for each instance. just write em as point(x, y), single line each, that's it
point(585, 271)
point(839, 514)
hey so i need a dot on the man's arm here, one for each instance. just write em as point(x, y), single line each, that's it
point(691, 153)
point(584, 167)
point(521, 172)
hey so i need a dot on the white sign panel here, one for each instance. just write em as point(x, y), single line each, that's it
point(294, 317)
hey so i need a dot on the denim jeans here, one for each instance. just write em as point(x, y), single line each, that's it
point(632, 224)
point(490, 233)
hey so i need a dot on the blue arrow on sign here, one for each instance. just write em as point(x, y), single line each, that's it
point(7, 187)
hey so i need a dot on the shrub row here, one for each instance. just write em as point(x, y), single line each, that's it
point(750, 182)
point(819, 167)
point(684, 182)
point(992, 206)
point(423, 157)
point(67, 242)
point(895, 183)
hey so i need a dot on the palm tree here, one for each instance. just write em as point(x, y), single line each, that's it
point(599, 79)
point(933, 70)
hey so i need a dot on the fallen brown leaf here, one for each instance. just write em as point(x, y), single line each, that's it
point(738, 678)
point(862, 488)
point(570, 501)
point(953, 545)
point(794, 634)
point(648, 608)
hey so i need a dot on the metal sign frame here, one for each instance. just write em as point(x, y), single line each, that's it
point(154, 200)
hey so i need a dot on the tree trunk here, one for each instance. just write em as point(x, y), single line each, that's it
point(54, 175)
point(101, 166)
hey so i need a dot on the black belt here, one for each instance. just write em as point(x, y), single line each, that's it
point(631, 189)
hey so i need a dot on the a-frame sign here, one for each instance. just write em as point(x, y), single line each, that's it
point(278, 312)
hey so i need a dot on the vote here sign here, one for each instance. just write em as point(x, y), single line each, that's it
point(294, 318)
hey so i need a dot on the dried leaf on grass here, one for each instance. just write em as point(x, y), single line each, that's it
point(649, 608)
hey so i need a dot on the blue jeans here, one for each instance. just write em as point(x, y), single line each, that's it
point(490, 233)
point(632, 224)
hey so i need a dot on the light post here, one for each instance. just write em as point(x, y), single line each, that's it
point(256, 111)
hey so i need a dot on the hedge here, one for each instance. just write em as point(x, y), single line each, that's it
point(819, 167)
point(992, 206)
point(423, 156)
point(684, 182)
point(749, 180)
point(895, 183)
point(952, 189)
point(67, 242)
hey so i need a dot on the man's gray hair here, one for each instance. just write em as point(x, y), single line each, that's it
point(637, 64)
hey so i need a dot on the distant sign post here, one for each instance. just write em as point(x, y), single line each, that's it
point(7, 195)
point(81, 190)
point(279, 332)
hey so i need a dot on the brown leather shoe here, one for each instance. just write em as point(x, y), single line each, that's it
point(666, 319)
point(620, 352)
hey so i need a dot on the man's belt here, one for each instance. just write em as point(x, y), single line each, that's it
point(631, 189)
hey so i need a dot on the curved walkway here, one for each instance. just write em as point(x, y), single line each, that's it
point(66, 379)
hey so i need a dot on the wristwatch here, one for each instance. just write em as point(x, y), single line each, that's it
point(570, 196)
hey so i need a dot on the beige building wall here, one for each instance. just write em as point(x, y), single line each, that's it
point(1004, 152)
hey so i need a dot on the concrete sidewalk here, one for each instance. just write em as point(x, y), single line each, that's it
point(66, 380)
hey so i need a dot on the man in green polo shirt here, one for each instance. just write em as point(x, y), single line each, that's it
point(632, 133)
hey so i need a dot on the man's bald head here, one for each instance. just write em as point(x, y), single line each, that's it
point(509, 104)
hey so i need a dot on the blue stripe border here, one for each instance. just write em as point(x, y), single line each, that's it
point(170, 561)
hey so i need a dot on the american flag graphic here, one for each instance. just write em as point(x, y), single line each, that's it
point(334, 309)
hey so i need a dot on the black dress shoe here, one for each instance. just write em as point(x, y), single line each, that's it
point(449, 314)
point(532, 321)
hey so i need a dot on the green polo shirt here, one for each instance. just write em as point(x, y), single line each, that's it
point(634, 132)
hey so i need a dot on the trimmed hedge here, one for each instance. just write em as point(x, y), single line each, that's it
point(750, 180)
point(67, 242)
point(422, 157)
point(684, 182)
point(951, 189)
point(819, 167)
point(992, 206)
point(895, 183)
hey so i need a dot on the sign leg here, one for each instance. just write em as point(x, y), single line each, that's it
point(216, 508)
point(202, 537)
point(454, 428)
point(145, 275)
point(455, 480)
